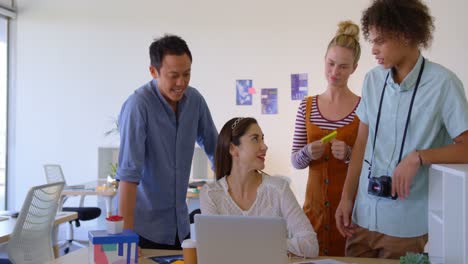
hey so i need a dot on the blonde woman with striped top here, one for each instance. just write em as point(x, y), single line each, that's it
point(316, 117)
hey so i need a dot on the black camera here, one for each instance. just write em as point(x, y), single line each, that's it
point(381, 186)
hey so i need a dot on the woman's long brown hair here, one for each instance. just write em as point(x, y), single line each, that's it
point(231, 132)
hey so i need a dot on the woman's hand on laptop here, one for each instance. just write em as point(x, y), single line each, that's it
point(292, 255)
point(343, 218)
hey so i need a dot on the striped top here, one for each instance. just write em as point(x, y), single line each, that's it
point(300, 156)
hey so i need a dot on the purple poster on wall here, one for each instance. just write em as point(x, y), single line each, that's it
point(299, 86)
point(270, 101)
point(243, 96)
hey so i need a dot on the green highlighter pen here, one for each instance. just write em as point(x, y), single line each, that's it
point(329, 137)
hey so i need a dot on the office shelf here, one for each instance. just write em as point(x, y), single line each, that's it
point(447, 218)
point(437, 216)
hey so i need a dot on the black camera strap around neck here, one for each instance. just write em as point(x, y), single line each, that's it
point(407, 118)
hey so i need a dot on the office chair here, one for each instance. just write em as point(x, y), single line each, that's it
point(192, 215)
point(54, 173)
point(31, 240)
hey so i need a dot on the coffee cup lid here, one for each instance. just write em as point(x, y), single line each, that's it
point(189, 243)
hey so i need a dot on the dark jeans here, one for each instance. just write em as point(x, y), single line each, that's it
point(146, 243)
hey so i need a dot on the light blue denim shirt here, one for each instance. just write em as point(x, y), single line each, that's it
point(156, 149)
point(440, 113)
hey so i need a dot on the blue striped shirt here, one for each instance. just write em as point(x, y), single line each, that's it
point(156, 150)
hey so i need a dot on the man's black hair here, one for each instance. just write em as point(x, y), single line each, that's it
point(167, 45)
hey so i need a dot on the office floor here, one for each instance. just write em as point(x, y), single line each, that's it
point(80, 233)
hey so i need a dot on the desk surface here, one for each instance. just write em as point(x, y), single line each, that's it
point(81, 255)
point(191, 194)
point(102, 188)
point(7, 226)
point(98, 187)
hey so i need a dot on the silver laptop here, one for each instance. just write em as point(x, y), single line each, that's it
point(240, 239)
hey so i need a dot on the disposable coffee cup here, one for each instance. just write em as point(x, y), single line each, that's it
point(189, 249)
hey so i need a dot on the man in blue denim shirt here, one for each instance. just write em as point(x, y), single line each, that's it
point(159, 125)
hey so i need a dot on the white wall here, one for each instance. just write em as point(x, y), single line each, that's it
point(77, 61)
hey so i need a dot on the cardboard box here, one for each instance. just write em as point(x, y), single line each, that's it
point(108, 248)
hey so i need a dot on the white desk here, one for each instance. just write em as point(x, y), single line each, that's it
point(99, 188)
point(81, 255)
point(7, 226)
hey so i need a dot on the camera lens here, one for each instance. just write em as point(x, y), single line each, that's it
point(377, 188)
point(381, 186)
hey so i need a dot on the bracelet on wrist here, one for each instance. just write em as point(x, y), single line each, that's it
point(348, 154)
point(421, 163)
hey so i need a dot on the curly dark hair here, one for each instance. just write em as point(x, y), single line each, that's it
point(410, 19)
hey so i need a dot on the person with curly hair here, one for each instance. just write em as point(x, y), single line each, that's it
point(316, 117)
point(413, 113)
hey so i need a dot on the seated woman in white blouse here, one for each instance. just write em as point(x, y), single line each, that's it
point(243, 189)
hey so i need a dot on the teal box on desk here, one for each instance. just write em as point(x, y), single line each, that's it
point(107, 248)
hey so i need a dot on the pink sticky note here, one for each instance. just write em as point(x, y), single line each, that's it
point(251, 90)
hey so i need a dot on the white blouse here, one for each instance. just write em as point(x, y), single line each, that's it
point(274, 198)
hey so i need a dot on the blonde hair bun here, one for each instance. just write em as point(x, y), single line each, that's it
point(348, 28)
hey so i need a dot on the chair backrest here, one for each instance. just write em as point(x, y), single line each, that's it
point(53, 173)
point(31, 240)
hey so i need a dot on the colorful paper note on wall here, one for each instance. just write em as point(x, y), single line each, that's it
point(299, 86)
point(270, 101)
point(243, 95)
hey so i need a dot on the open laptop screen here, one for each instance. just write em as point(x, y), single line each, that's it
point(241, 239)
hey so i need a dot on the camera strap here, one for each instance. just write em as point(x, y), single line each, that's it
point(407, 118)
